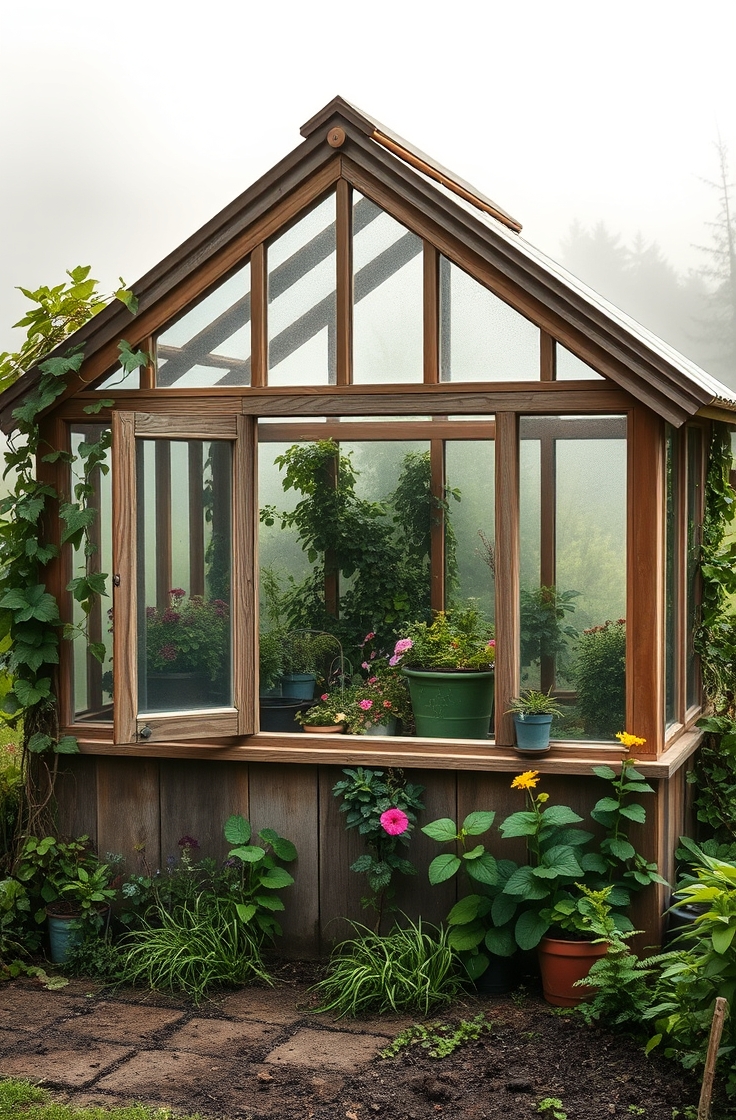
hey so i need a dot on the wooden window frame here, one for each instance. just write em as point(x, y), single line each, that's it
point(129, 727)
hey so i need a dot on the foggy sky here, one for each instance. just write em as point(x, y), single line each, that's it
point(124, 128)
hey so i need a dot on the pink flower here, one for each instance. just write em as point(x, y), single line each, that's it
point(387, 703)
point(368, 637)
point(325, 696)
point(394, 660)
point(366, 705)
point(365, 665)
point(403, 645)
point(394, 822)
point(492, 642)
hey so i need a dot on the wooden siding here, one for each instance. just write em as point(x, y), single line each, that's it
point(142, 807)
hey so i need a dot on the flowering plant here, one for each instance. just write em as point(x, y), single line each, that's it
point(383, 806)
point(190, 635)
point(459, 639)
point(333, 707)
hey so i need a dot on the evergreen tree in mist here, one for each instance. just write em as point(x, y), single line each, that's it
point(717, 324)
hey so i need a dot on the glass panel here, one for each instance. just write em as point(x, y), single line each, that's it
point(210, 343)
point(184, 558)
point(92, 679)
point(388, 294)
point(572, 368)
point(694, 537)
point(470, 472)
point(670, 659)
point(573, 569)
point(119, 379)
point(481, 337)
point(302, 307)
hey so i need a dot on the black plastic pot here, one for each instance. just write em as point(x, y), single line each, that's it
point(277, 713)
point(681, 916)
point(501, 976)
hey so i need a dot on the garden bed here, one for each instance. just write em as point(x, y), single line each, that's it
point(262, 1053)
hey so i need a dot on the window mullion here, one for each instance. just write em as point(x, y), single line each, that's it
point(507, 573)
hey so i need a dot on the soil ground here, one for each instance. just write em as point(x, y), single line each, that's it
point(262, 1054)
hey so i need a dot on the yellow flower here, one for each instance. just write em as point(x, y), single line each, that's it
point(340, 718)
point(629, 741)
point(527, 780)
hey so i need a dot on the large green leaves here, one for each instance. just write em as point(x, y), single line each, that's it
point(530, 929)
point(30, 602)
point(442, 830)
point(443, 867)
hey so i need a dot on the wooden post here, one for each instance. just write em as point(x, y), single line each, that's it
point(716, 1030)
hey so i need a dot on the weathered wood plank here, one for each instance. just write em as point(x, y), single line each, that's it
point(196, 799)
point(340, 889)
point(128, 815)
point(286, 798)
point(414, 895)
point(76, 796)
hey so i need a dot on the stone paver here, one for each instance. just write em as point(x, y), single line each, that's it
point(220, 1037)
point(265, 1006)
point(122, 1022)
point(166, 1075)
point(28, 1009)
point(326, 1049)
point(58, 1064)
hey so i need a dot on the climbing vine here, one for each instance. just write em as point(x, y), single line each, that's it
point(31, 627)
point(714, 776)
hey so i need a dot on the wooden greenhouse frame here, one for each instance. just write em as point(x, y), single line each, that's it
point(142, 781)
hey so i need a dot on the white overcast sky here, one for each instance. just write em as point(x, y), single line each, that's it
point(124, 127)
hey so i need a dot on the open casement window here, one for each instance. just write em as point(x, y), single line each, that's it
point(183, 540)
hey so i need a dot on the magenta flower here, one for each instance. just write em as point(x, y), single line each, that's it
point(403, 645)
point(365, 665)
point(366, 705)
point(393, 661)
point(394, 822)
point(325, 696)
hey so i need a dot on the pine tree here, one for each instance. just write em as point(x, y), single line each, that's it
point(718, 323)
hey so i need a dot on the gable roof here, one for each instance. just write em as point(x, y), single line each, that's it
point(419, 192)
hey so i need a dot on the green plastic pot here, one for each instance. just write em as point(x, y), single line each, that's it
point(451, 705)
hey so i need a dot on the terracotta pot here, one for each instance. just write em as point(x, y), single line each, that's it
point(564, 962)
point(334, 728)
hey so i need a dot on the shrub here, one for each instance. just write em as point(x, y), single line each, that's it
point(412, 969)
point(600, 678)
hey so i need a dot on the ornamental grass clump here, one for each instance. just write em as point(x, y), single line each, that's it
point(412, 969)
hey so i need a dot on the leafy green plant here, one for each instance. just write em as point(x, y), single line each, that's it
point(270, 659)
point(470, 919)
point(383, 806)
point(544, 630)
point(599, 675)
point(533, 703)
point(551, 1108)
point(702, 967)
point(20, 1099)
point(68, 876)
point(439, 1039)
point(458, 639)
point(411, 969)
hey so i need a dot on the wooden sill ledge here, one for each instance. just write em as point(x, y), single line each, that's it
point(361, 750)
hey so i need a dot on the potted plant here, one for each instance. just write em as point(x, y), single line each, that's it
point(73, 886)
point(270, 664)
point(533, 714)
point(305, 654)
point(187, 652)
point(449, 666)
point(329, 716)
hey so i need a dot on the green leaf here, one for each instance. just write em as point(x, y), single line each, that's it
point(28, 695)
point(443, 867)
point(503, 909)
point(39, 742)
point(249, 853)
point(442, 830)
point(530, 929)
point(269, 901)
point(283, 848)
point(474, 853)
point(67, 745)
point(500, 942)
point(362, 864)
point(237, 830)
point(722, 938)
point(622, 849)
point(634, 813)
point(519, 824)
point(276, 878)
point(484, 870)
point(605, 772)
point(606, 805)
point(477, 823)
point(98, 651)
point(462, 938)
point(562, 860)
point(559, 815)
point(524, 883)
point(93, 409)
point(593, 861)
point(245, 911)
point(464, 911)
point(476, 965)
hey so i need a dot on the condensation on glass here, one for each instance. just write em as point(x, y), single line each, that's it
point(93, 678)
point(694, 540)
point(184, 535)
point(210, 343)
point(573, 568)
point(388, 298)
point(302, 302)
point(481, 337)
point(672, 492)
point(568, 367)
point(470, 561)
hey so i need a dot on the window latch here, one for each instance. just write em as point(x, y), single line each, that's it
point(116, 580)
point(145, 732)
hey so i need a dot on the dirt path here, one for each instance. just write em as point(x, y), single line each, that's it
point(258, 1054)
